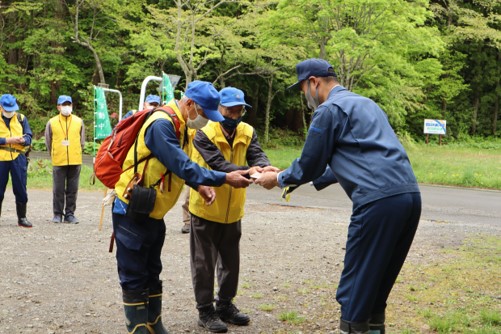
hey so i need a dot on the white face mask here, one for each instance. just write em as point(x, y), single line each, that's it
point(66, 110)
point(197, 123)
point(8, 114)
point(313, 102)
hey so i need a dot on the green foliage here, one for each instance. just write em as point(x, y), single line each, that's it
point(417, 59)
point(38, 145)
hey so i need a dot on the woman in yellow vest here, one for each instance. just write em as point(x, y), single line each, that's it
point(65, 140)
point(15, 138)
point(216, 230)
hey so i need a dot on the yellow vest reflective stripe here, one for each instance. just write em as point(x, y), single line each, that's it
point(172, 185)
point(229, 204)
point(16, 130)
point(66, 146)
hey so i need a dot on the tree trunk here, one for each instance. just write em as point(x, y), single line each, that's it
point(474, 116)
point(86, 43)
point(267, 118)
point(495, 113)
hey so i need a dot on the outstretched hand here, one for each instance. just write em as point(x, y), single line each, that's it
point(237, 179)
point(267, 180)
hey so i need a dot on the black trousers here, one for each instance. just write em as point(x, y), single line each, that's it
point(214, 244)
point(65, 181)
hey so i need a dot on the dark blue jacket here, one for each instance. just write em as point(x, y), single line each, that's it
point(350, 134)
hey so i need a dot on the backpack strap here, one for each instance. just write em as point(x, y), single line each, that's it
point(175, 120)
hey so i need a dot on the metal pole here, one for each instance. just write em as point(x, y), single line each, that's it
point(120, 103)
point(143, 89)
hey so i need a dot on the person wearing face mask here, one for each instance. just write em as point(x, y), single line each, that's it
point(65, 140)
point(15, 140)
point(165, 168)
point(215, 234)
point(351, 142)
point(151, 102)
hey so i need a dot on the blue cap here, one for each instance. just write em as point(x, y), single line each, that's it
point(231, 96)
point(313, 67)
point(205, 95)
point(153, 99)
point(64, 98)
point(9, 103)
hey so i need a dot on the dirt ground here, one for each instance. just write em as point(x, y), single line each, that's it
point(60, 278)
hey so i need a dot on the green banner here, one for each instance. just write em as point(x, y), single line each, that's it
point(102, 126)
point(167, 90)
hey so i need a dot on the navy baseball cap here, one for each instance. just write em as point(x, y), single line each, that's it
point(205, 95)
point(231, 96)
point(313, 67)
point(9, 103)
point(153, 99)
point(64, 98)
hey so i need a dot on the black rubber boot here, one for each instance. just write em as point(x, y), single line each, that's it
point(136, 311)
point(346, 327)
point(155, 312)
point(229, 313)
point(208, 318)
point(21, 215)
point(376, 323)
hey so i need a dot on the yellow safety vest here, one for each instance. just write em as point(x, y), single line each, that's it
point(229, 204)
point(66, 147)
point(172, 185)
point(16, 130)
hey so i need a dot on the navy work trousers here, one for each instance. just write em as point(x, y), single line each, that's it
point(18, 169)
point(139, 247)
point(379, 237)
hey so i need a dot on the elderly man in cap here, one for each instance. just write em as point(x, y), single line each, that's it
point(165, 168)
point(216, 230)
point(65, 140)
point(15, 140)
point(350, 141)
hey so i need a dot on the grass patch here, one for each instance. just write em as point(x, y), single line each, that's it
point(459, 295)
point(266, 307)
point(40, 176)
point(456, 165)
point(464, 165)
point(291, 317)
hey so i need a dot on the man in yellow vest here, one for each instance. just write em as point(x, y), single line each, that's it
point(138, 221)
point(15, 138)
point(65, 140)
point(224, 146)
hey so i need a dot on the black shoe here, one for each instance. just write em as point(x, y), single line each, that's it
point(23, 222)
point(229, 313)
point(185, 229)
point(70, 219)
point(209, 320)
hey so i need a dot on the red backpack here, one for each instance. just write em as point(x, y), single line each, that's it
point(114, 148)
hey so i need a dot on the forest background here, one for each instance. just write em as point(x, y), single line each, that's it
point(420, 59)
